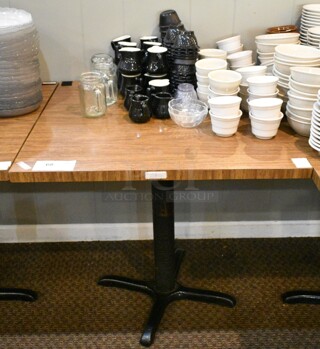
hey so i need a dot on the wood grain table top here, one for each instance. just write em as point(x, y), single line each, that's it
point(14, 130)
point(113, 148)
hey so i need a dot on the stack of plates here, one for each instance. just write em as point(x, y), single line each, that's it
point(20, 83)
point(290, 55)
point(313, 38)
point(310, 18)
point(314, 139)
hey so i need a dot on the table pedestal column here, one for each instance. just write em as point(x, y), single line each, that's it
point(165, 287)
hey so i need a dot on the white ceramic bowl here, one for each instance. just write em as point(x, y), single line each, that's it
point(277, 38)
point(242, 58)
point(302, 112)
point(300, 101)
point(225, 105)
point(297, 52)
point(296, 114)
point(202, 79)
point(265, 108)
point(224, 81)
point(202, 88)
point(203, 96)
point(305, 88)
point(214, 94)
point(223, 126)
point(254, 70)
point(212, 53)
point(265, 54)
point(206, 65)
point(265, 129)
point(230, 43)
point(266, 84)
point(187, 113)
point(307, 75)
point(237, 49)
point(300, 127)
point(255, 96)
point(266, 48)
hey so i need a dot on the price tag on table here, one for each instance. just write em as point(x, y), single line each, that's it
point(54, 166)
point(301, 163)
point(4, 165)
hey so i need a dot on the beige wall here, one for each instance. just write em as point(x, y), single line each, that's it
point(72, 30)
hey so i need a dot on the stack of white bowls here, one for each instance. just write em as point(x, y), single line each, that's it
point(223, 83)
point(203, 68)
point(304, 85)
point(313, 36)
point(225, 115)
point(240, 59)
point(267, 43)
point(291, 55)
point(262, 87)
point(314, 139)
point(310, 17)
point(246, 72)
point(212, 53)
point(265, 116)
point(231, 44)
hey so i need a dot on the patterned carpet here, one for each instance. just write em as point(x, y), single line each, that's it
point(74, 312)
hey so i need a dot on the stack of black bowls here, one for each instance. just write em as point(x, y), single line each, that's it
point(182, 48)
point(168, 18)
point(183, 55)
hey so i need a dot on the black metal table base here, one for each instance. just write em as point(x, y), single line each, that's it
point(167, 259)
point(161, 300)
point(17, 294)
point(301, 297)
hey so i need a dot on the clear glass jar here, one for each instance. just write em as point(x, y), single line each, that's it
point(92, 94)
point(103, 63)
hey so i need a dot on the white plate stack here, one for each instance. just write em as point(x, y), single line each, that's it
point(314, 139)
point(313, 38)
point(310, 17)
point(292, 55)
point(20, 82)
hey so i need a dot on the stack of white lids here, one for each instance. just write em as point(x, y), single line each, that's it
point(20, 82)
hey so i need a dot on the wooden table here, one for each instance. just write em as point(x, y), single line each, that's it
point(112, 148)
point(14, 131)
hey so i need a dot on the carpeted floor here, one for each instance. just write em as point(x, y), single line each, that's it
point(73, 312)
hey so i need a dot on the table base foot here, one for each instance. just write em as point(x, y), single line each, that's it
point(17, 294)
point(301, 297)
point(162, 299)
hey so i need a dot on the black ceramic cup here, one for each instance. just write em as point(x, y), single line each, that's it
point(160, 102)
point(130, 91)
point(139, 111)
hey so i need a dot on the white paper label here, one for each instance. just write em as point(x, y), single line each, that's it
point(52, 166)
point(4, 165)
point(23, 165)
point(301, 163)
point(155, 175)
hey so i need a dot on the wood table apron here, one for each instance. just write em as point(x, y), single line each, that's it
point(14, 131)
point(112, 148)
